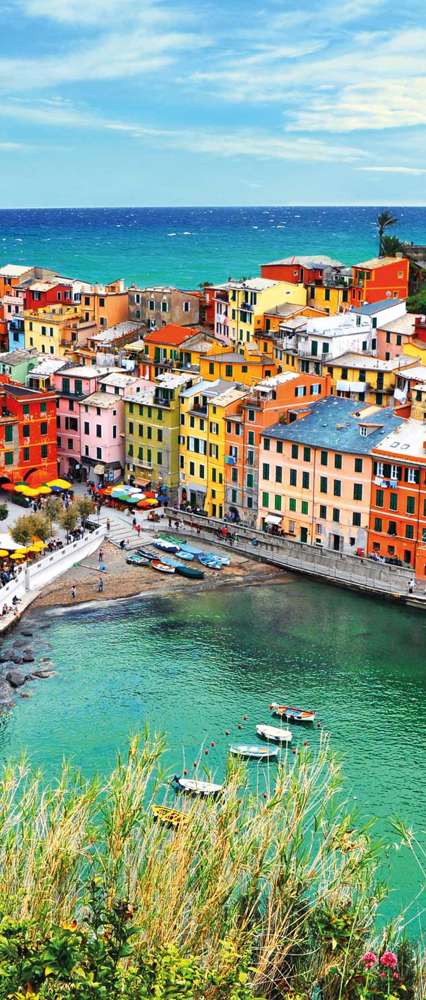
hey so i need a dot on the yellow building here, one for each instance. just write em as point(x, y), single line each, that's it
point(415, 349)
point(332, 299)
point(177, 347)
point(240, 306)
point(52, 329)
point(248, 368)
point(203, 413)
point(365, 378)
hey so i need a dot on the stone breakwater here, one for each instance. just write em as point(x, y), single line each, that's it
point(23, 659)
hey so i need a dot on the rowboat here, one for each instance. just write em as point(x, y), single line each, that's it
point(273, 734)
point(169, 817)
point(210, 561)
point(135, 559)
point(253, 752)
point(292, 714)
point(166, 546)
point(162, 567)
point(195, 787)
point(184, 554)
point(190, 572)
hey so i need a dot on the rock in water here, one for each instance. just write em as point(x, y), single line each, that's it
point(43, 674)
point(15, 678)
point(27, 634)
point(5, 694)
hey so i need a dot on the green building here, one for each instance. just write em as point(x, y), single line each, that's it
point(152, 429)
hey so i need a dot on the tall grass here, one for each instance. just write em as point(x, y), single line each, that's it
point(280, 888)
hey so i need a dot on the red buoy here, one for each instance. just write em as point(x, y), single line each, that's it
point(185, 771)
point(212, 744)
point(195, 763)
point(206, 751)
point(227, 731)
point(245, 717)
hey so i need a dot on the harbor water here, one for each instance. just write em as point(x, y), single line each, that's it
point(193, 665)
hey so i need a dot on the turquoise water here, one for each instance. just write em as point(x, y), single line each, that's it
point(185, 246)
point(193, 665)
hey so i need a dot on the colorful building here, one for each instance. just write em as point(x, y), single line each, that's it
point(11, 275)
point(398, 497)
point(152, 430)
point(312, 343)
point(247, 368)
point(393, 335)
point(105, 305)
point(315, 474)
point(102, 437)
point(177, 347)
point(282, 397)
point(366, 379)
point(301, 270)
point(72, 385)
point(240, 306)
point(28, 451)
point(379, 279)
point(195, 440)
point(160, 304)
point(416, 346)
point(53, 329)
point(18, 364)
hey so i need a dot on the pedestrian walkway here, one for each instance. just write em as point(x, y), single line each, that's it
point(121, 527)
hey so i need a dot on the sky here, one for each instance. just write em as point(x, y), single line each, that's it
point(228, 102)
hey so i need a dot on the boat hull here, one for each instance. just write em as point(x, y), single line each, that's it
point(273, 734)
point(254, 752)
point(291, 713)
point(161, 567)
point(194, 787)
point(190, 572)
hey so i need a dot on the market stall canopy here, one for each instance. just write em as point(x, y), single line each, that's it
point(3, 553)
point(273, 519)
point(6, 542)
point(59, 484)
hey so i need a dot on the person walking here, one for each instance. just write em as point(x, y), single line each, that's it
point(73, 592)
point(101, 555)
point(108, 524)
point(138, 529)
point(100, 585)
point(411, 585)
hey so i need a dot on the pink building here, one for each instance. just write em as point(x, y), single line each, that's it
point(72, 385)
point(102, 437)
point(392, 336)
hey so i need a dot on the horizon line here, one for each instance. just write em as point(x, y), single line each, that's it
point(106, 208)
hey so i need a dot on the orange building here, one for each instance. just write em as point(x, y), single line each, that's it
point(248, 368)
point(379, 279)
point(28, 447)
point(11, 275)
point(177, 347)
point(398, 494)
point(105, 305)
point(286, 396)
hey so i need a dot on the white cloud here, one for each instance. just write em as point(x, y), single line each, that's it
point(82, 12)
point(394, 170)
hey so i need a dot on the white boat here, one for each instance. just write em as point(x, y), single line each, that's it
point(253, 751)
point(196, 787)
point(273, 734)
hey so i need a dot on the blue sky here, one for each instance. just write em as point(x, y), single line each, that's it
point(152, 102)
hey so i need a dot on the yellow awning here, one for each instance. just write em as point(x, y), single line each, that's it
point(62, 484)
point(3, 553)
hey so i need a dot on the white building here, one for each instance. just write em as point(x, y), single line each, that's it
point(321, 339)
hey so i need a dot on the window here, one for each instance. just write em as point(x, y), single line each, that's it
point(336, 514)
point(412, 476)
point(159, 457)
point(86, 427)
point(265, 471)
point(410, 505)
point(234, 475)
point(292, 504)
point(265, 499)
point(356, 519)
point(337, 488)
point(294, 451)
point(159, 434)
point(300, 390)
point(266, 444)
point(305, 480)
point(379, 498)
point(338, 462)
point(26, 430)
point(228, 371)
point(278, 474)
point(358, 465)
point(277, 503)
point(191, 468)
point(250, 458)
point(377, 524)
point(293, 477)
point(306, 454)
point(323, 512)
point(43, 427)
point(9, 434)
point(393, 501)
point(409, 531)
point(392, 528)
point(251, 414)
point(323, 484)
point(357, 491)
point(43, 407)
point(279, 447)
point(211, 367)
point(159, 414)
point(98, 430)
point(251, 438)
point(305, 507)
point(249, 480)
point(8, 458)
point(164, 307)
point(324, 457)
point(186, 307)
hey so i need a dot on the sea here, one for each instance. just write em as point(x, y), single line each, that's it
point(186, 246)
point(194, 665)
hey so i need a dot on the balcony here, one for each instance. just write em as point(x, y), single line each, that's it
point(199, 411)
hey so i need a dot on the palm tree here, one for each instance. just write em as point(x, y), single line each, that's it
point(384, 221)
point(391, 245)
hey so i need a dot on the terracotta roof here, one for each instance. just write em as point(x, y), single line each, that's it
point(376, 262)
point(172, 335)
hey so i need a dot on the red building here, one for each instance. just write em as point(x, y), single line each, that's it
point(299, 270)
point(28, 449)
point(378, 279)
point(47, 293)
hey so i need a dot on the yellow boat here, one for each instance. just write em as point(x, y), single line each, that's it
point(170, 817)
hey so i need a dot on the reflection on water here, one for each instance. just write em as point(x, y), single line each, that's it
point(192, 666)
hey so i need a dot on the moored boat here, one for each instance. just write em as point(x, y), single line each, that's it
point(253, 751)
point(162, 567)
point(273, 734)
point(210, 561)
point(190, 572)
point(195, 787)
point(166, 546)
point(135, 559)
point(184, 554)
point(291, 713)
point(169, 817)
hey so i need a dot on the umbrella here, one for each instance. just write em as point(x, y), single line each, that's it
point(18, 554)
point(27, 491)
point(3, 553)
point(38, 545)
point(44, 490)
point(59, 484)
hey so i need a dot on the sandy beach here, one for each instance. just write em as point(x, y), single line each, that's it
point(123, 580)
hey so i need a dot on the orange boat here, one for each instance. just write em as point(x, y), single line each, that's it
point(292, 714)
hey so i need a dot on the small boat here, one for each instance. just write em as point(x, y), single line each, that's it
point(135, 559)
point(166, 546)
point(169, 817)
point(162, 567)
point(253, 752)
point(273, 734)
point(195, 787)
point(210, 561)
point(190, 572)
point(292, 714)
point(170, 538)
point(184, 554)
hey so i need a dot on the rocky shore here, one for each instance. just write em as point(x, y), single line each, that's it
point(24, 658)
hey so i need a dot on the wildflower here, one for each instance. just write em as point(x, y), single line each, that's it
point(389, 959)
point(395, 975)
point(71, 926)
point(369, 959)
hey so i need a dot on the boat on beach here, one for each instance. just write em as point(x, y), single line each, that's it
point(135, 559)
point(161, 543)
point(273, 734)
point(253, 752)
point(169, 817)
point(189, 571)
point(291, 713)
point(196, 787)
point(162, 567)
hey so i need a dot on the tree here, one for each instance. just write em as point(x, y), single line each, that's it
point(3, 511)
point(417, 303)
point(85, 507)
point(53, 508)
point(69, 518)
point(22, 530)
point(384, 221)
point(391, 246)
point(41, 526)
